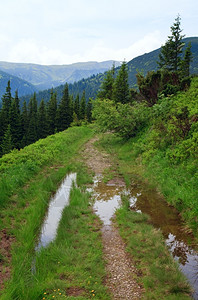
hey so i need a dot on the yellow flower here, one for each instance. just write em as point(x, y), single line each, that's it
point(59, 293)
point(93, 295)
point(58, 289)
point(92, 291)
point(53, 296)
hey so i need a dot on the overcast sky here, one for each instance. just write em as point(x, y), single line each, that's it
point(68, 31)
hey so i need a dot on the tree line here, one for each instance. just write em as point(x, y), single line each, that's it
point(21, 126)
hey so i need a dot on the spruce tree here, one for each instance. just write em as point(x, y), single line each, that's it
point(51, 113)
point(83, 107)
point(32, 134)
point(89, 110)
point(64, 112)
point(24, 124)
point(185, 64)
point(77, 106)
point(5, 110)
point(170, 55)
point(6, 145)
point(106, 89)
point(42, 121)
point(121, 86)
point(15, 122)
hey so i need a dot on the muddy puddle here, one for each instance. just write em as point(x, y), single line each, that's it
point(54, 213)
point(166, 218)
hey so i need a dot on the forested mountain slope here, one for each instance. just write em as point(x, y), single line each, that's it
point(21, 85)
point(44, 77)
point(143, 63)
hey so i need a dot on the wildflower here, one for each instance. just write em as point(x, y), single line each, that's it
point(92, 291)
point(59, 293)
point(93, 295)
point(45, 293)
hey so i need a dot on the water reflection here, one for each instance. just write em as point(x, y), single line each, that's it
point(168, 220)
point(56, 206)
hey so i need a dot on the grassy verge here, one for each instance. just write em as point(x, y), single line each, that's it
point(159, 274)
point(72, 265)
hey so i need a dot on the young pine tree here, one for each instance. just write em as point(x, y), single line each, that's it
point(64, 112)
point(106, 89)
point(83, 107)
point(42, 121)
point(6, 145)
point(121, 86)
point(15, 122)
point(51, 113)
point(170, 55)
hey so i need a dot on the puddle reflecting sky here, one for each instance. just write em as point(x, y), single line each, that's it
point(164, 217)
point(56, 206)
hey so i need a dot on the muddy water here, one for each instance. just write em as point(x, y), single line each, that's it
point(180, 243)
point(56, 206)
point(163, 217)
point(107, 199)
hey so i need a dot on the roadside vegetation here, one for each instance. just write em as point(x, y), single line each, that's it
point(72, 265)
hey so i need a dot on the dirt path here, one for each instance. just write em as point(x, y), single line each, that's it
point(120, 269)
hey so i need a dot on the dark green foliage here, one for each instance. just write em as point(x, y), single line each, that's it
point(185, 63)
point(32, 132)
point(15, 122)
point(24, 124)
point(121, 86)
point(51, 113)
point(64, 112)
point(42, 121)
point(89, 110)
point(106, 89)
point(6, 146)
point(170, 55)
point(77, 106)
point(83, 107)
point(5, 111)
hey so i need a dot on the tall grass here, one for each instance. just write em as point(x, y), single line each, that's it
point(29, 177)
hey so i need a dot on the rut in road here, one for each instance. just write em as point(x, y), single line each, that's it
point(121, 272)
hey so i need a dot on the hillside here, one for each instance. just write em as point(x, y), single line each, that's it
point(21, 85)
point(44, 77)
point(143, 63)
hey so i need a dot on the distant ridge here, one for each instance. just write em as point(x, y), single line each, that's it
point(16, 83)
point(143, 63)
point(48, 76)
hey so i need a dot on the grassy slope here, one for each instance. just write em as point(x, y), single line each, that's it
point(72, 265)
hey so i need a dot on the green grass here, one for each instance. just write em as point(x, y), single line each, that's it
point(73, 262)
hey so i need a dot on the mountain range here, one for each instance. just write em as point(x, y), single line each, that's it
point(143, 63)
point(77, 75)
point(45, 77)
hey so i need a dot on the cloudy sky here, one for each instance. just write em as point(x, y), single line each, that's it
point(68, 31)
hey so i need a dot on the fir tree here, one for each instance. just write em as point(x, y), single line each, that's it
point(185, 64)
point(77, 106)
point(83, 107)
point(42, 121)
point(32, 135)
point(89, 110)
point(51, 113)
point(6, 146)
point(24, 124)
point(5, 111)
point(15, 122)
point(106, 89)
point(64, 111)
point(121, 86)
point(170, 55)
